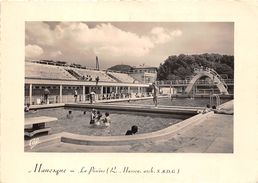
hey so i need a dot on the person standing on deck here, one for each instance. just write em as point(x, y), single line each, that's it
point(46, 94)
point(92, 96)
point(97, 80)
point(155, 99)
point(75, 95)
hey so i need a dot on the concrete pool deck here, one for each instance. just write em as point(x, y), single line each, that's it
point(186, 111)
point(203, 133)
point(179, 110)
point(55, 105)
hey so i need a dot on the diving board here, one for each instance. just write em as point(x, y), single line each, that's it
point(39, 120)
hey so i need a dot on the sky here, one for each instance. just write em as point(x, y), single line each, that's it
point(131, 43)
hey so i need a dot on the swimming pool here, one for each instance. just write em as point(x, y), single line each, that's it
point(120, 121)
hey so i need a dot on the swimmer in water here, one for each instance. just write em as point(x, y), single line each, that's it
point(69, 115)
point(107, 119)
point(98, 118)
point(133, 131)
point(93, 117)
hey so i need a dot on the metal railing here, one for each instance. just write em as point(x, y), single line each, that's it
point(217, 99)
point(186, 82)
point(52, 99)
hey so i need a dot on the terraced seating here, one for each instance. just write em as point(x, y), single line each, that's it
point(87, 73)
point(42, 71)
point(123, 77)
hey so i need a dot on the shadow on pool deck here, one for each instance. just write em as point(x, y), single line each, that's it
point(212, 134)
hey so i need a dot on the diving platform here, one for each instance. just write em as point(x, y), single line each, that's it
point(37, 125)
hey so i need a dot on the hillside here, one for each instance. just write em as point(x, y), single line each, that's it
point(122, 68)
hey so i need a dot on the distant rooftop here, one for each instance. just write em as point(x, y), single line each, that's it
point(60, 63)
point(143, 66)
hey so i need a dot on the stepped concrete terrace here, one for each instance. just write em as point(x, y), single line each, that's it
point(42, 71)
point(202, 133)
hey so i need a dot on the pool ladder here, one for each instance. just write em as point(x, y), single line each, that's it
point(217, 97)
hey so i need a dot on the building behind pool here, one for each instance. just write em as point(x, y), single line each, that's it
point(62, 80)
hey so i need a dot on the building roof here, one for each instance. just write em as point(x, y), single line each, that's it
point(144, 67)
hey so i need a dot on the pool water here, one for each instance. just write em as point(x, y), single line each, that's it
point(120, 122)
point(194, 102)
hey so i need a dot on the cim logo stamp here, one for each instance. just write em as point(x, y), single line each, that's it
point(33, 142)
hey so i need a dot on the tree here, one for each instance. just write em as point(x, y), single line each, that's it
point(182, 66)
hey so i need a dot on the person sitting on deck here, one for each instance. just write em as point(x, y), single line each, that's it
point(92, 117)
point(27, 108)
point(221, 111)
point(69, 115)
point(207, 109)
point(224, 112)
point(107, 120)
point(134, 130)
point(137, 95)
point(112, 95)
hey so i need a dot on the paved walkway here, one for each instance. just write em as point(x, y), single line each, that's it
point(43, 106)
point(212, 135)
point(215, 135)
